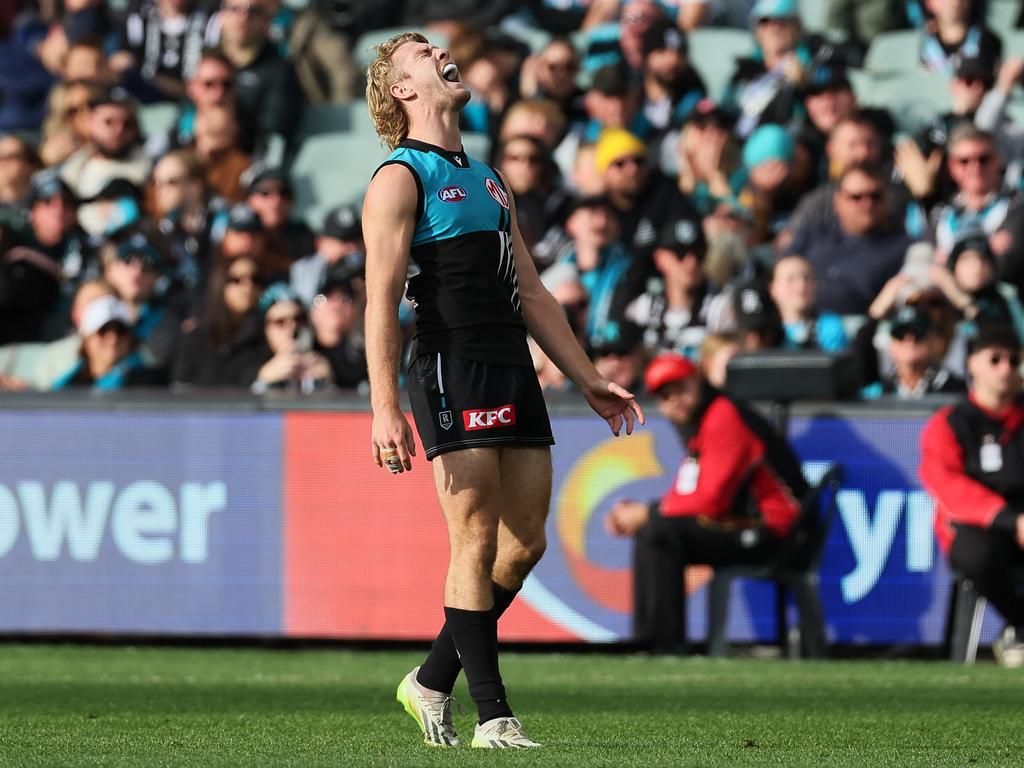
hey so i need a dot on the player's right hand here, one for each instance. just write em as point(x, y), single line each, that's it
point(390, 430)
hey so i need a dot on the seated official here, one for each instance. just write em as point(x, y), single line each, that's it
point(734, 499)
point(972, 463)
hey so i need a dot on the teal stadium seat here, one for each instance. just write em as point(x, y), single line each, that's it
point(894, 52)
point(814, 15)
point(157, 118)
point(1002, 15)
point(714, 52)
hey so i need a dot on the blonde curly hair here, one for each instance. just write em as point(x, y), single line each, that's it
point(389, 118)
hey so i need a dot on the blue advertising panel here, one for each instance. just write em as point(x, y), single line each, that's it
point(140, 522)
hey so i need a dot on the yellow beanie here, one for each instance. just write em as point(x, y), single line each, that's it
point(614, 143)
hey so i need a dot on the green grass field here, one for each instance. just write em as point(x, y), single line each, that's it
point(90, 706)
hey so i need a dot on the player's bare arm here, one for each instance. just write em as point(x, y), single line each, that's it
point(389, 212)
point(546, 322)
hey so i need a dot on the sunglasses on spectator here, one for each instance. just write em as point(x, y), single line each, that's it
point(286, 321)
point(964, 160)
point(998, 358)
point(251, 280)
point(274, 191)
point(211, 84)
point(874, 195)
point(912, 333)
point(529, 159)
point(622, 162)
point(115, 327)
point(561, 66)
point(249, 8)
point(12, 157)
point(173, 181)
point(119, 122)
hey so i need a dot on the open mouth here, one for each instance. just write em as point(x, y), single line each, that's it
point(450, 72)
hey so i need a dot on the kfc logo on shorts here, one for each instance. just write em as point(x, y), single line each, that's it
point(452, 194)
point(486, 418)
point(497, 193)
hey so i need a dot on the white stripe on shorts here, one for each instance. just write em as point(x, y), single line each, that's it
point(440, 381)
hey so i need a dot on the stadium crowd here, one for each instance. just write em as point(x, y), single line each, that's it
point(784, 213)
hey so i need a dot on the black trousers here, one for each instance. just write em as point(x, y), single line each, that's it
point(995, 563)
point(662, 550)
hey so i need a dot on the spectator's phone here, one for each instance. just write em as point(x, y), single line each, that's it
point(917, 265)
point(304, 340)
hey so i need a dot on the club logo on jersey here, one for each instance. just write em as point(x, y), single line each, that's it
point(452, 194)
point(487, 418)
point(497, 193)
point(445, 419)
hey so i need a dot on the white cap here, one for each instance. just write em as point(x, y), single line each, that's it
point(104, 310)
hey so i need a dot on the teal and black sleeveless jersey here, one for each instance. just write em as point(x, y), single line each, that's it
point(463, 275)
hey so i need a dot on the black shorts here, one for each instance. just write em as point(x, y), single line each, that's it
point(460, 403)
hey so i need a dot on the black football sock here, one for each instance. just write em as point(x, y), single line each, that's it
point(475, 634)
point(441, 669)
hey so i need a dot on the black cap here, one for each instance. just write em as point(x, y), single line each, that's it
point(974, 240)
point(910, 319)
point(826, 77)
point(342, 223)
point(47, 184)
point(341, 274)
point(754, 308)
point(269, 175)
point(590, 201)
point(707, 112)
point(683, 234)
point(611, 81)
point(619, 339)
point(138, 247)
point(116, 95)
point(663, 35)
point(242, 218)
point(996, 336)
point(981, 66)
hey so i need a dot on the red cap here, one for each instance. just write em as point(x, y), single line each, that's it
point(667, 367)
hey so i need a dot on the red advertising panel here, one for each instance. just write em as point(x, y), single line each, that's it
point(365, 552)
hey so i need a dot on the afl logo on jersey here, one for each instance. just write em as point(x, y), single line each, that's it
point(452, 194)
point(497, 193)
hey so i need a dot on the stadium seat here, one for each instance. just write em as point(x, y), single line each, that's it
point(331, 169)
point(1013, 42)
point(795, 570)
point(814, 15)
point(914, 98)
point(335, 118)
point(967, 612)
point(364, 53)
point(157, 118)
point(1002, 15)
point(714, 52)
point(894, 52)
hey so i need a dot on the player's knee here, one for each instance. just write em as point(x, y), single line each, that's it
point(476, 552)
point(526, 554)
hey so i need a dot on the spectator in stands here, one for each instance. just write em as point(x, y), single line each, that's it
point(268, 93)
point(540, 118)
point(828, 99)
point(976, 167)
point(323, 62)
point(18, 161)
point(24, 77)
point(551, 74)
point(643, 198)
point(188, 214)
point(973, 466)
point(164, 41)
point(293, 365)
point(715, 353)
point(622, 360)
point(990, 111)
point(541, 201)
point(66, 129)
point(269, 194)
point(861, 20)
point(734, 500)
point(856, 253)
point(597, 259)
point(38, 365)
point(216, 144)
point(773, 178)
point(672, 307)
point(133, 268)
point(244, 235)
point(765, 87)
point(855, 140)
point(336, 315)
point(340, 242)
point(792, 288)
point(114, 149)
point(85, 62)
point(108, 358)
point(913, 367)
point(227, 349)
point(37, 257)
point(671, 87)
point(708, 155)
point(951, 31)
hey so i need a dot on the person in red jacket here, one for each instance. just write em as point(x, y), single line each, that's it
point(733, 500)
point(972, 463)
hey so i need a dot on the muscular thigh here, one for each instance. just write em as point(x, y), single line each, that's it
point(468, 487)
point(525, 491)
